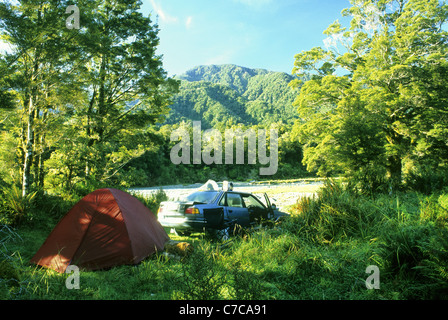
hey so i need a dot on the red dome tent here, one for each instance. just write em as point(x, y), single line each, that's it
point(108, 227)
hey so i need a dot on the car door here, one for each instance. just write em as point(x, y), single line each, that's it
point(269, 206)
point(257, 210)
point(234, 208)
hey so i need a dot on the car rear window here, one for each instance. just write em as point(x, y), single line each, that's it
point(202, 196)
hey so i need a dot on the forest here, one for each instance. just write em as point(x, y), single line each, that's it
point(91, 107)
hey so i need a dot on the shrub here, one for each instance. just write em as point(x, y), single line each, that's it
point(435, 266)
point(201, 278)
point(16, 208)
point(435, 208)
point(245, 285)
point(369, 180)
point(408, 233)
point(9, 279)
point(153, 200)
point(415, 253)
point(336, 212)
point(426, 180)
point(49, 209)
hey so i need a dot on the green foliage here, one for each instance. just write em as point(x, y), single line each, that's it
point(337, 213)
point(417, 250)
point(201, 278)
point(378, 103)
point(14, 207)
point(406, 233)
point(234, 77)
point(9, 274)
point(229, 94)
point(158, 170)
point(374, 112)
point(244, 286)
point(95, 124)
point(7, 95)
point(320, 252)
point(209, 103)
point(153, 200)
point(426, 180)
point(7, 271)
point(83, 108)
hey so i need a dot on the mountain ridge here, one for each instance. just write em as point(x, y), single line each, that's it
point(214, 73)
point(229, 94)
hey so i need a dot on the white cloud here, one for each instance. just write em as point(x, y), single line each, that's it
point(225, 57)
point(162, 14)
point(188, 21)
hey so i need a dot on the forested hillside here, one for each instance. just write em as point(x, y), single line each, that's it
point(230, 94)
point(223, 97)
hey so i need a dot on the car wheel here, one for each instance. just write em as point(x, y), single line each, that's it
point(220, 235)
point(223, 234)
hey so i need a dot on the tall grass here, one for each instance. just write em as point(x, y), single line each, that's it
point(336, 212)
point(408, 233)
point(320, 252)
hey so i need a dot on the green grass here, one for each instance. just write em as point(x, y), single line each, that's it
point(320, 252)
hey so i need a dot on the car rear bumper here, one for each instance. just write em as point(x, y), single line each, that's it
point(182, 223)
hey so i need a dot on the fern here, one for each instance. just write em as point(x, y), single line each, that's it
point(19, 205)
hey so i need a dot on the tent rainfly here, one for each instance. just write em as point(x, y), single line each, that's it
point(108, 227)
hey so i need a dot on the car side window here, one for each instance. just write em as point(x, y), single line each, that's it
point(222, 202)
point(234, 200)
point(251, 201)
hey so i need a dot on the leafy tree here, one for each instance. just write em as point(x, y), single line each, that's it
point(126, 87)
point(33, 76)
point(85, 98)
point(377, 92)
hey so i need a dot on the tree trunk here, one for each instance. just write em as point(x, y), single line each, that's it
point(101, 110)
point(31, 108)
point(394, 171)
point(89, 131)
point(42, 155)
point(394, 160)
point(36, 148)
point(29, 149)
point(97, 127)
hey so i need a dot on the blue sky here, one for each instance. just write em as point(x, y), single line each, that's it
point(251, 33)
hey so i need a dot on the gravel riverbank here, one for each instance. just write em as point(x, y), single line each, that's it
point(283, 194)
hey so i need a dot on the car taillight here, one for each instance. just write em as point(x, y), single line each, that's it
point(160, 210)
point(192, 210)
